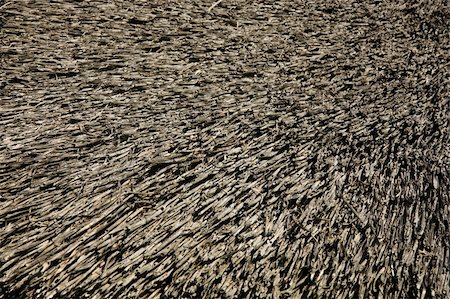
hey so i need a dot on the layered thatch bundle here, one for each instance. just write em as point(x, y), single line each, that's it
point(257, 149)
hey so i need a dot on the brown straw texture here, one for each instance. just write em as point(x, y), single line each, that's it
point(224, 149)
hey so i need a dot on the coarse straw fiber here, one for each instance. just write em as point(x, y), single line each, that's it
point(224, 149)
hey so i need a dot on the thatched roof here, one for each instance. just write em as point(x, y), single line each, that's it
point(256, 149)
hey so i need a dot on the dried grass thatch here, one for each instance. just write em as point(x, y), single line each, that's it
point(224, 149)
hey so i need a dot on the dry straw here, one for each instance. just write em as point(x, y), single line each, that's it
point(156, 149)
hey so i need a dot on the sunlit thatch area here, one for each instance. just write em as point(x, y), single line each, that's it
point(228, 149)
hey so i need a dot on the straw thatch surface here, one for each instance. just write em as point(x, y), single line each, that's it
point(258, 149)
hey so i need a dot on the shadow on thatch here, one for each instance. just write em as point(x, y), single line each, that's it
point(224, 149)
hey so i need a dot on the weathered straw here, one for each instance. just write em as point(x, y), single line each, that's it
point(263, 149)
